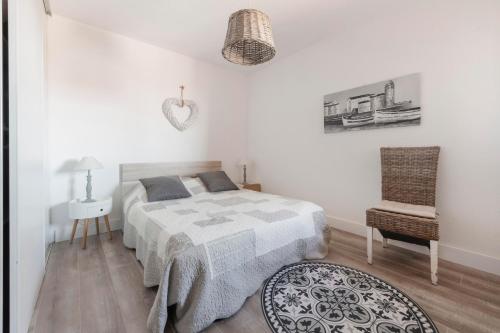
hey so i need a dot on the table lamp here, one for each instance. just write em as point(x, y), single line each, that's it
point(86, 164)
point(244, 163)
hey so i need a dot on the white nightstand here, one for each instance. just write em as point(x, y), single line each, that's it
point(251, 186)
point(79, 210)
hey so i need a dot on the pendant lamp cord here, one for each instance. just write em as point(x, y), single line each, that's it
point(182, 95)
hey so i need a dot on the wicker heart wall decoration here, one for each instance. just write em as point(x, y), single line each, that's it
point(188, 106)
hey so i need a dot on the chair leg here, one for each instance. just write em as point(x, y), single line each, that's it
point(434, 262)
point(369, 244)
point(384, 242)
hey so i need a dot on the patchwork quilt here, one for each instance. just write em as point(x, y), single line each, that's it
point(211, 251)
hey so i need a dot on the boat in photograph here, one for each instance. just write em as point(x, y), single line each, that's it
point(358, 119)
point(394, 115)
point(335, 119)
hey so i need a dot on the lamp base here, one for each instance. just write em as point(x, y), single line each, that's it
point(89, 188)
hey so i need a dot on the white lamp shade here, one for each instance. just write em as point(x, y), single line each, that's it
point(243, 162)
point(88, 163)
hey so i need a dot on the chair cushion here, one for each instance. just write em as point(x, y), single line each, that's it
point(409, 209)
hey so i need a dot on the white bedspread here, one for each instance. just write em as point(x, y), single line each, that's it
point(223, 232)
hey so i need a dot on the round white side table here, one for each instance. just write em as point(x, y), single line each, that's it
point(86, 211)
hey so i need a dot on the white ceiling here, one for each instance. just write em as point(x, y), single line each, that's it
point(198, 27)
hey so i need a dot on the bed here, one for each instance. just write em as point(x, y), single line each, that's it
point(209, 252)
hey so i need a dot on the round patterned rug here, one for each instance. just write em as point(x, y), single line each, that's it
point(320, 297)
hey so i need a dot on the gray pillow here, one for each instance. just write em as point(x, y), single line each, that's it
point(164, 188)
point(217, 181)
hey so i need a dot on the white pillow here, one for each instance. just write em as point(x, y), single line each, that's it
point(409, 209)
point(134, 190)
point(194, 185)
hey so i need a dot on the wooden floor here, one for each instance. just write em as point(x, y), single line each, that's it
point(100, 289)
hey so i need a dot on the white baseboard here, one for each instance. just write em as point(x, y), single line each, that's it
point(64, 233)
point(447, 252)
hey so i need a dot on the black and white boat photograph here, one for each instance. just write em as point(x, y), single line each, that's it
point(390, 103)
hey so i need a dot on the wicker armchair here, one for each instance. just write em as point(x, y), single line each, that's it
point(409, 177)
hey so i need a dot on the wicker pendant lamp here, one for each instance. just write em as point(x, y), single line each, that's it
point(249, 38)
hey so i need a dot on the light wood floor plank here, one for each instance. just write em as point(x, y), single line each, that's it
point(100, 289)
point(100, 311)
point(58, 306)
point(126, 275)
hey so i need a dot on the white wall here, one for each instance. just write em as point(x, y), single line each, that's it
point(455, 45)
point(28, 124)
point(105, 97)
